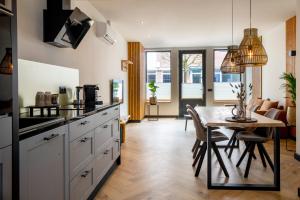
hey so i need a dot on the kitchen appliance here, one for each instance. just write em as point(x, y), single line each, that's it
point(78, 101)
point(6, 7)
point(63, 96)
point(91, 95)
point(64, 28)
point(117, 91)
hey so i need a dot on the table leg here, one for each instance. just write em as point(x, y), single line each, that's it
point(277, 159)
point(209, 186)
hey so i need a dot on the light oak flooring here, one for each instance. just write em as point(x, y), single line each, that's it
point(157, 165)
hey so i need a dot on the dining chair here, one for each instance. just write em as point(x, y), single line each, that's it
point(232, 142)
point(201, 135)
point(257, 138)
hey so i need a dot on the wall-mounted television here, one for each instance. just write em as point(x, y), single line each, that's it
point(117, 91)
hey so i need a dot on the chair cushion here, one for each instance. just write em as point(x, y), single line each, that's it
point(249, 136)
point(268, 105)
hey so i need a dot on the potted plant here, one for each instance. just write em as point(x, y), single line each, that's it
point(152, 87)
point(290, 85)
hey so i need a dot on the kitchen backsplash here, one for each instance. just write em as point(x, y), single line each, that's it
point(35, 76)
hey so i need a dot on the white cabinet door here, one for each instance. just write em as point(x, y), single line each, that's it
point(5, 131)
point(82, 184)
point(103, 133)
point(103, 161)
point(81, 152)
point(5, 172)
point(43, 166)
point(116, 127)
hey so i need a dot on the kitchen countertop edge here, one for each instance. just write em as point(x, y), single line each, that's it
point(37, 131)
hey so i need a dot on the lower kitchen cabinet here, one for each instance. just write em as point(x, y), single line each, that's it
point(81, 152)
point(43, 166)
point(82, 184)
point(5, 172)
point(103, 161)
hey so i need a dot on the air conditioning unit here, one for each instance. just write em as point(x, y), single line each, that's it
point(104, 30)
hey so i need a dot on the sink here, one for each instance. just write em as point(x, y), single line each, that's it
point(30, 123)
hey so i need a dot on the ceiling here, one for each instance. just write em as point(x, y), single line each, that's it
point(188, 23)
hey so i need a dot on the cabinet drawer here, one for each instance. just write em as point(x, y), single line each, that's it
point(81, 152)
point(103, 161)
point(115, 111)
point(116, 127)
point(116, 148)
point(5, 131)
point(80, 127)
point(82, 184)
point(102, 134)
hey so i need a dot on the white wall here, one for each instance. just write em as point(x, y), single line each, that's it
point(298, 77)
point(42, 77)
point(274, 42)
point(96, 61)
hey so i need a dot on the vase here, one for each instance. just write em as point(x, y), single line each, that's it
point(291, 115)
point(6, 66)
point(153, 100)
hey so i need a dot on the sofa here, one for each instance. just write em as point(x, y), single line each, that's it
point(264, 106)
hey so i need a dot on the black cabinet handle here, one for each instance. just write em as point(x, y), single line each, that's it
point(116, 108)
point(105, 126)
point(52, 136)
point(106, 151)
point(84, 123)
point(117, 140)
point(105, 113)
point(117, 119)
point(85, 173)
point(84, 139)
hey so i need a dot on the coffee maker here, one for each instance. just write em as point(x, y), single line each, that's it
point(91, 95)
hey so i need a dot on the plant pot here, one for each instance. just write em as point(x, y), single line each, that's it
point(153, 100)
point(291, 115)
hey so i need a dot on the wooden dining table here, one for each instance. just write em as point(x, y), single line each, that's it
point(215, 117)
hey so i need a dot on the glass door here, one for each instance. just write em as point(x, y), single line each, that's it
point(191, 79)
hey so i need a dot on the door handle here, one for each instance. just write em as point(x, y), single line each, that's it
point(104, 113)
point(85, 173)
point(106, 151)
point(84, 123)
point(83, 140)
point(52, 136)
point(105, 126)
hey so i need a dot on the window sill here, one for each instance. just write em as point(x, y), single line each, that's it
point(161, 101)
point(226, 101)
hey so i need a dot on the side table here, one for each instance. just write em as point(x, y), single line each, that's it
point(153, 117)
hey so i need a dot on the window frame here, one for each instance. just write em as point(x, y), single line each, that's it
point(146, 74)
point(214, 99)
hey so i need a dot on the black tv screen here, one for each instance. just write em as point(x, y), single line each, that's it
point(117, 91)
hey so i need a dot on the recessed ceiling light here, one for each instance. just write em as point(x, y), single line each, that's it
point(142, 22)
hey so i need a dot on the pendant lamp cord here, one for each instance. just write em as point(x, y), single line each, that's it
point(250, 14)
point(231, 22)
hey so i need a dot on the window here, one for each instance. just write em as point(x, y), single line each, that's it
point(222, 89)
point(158, 69)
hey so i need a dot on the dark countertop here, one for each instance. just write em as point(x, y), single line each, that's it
point(68, 114)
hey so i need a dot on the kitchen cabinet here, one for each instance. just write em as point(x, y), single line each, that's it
point(5, 172)
point(5, 131)
point(82, 184)
point(81, 152)
point(103, 161)
point(43, 166)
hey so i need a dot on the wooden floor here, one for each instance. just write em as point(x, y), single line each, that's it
point(157, 165)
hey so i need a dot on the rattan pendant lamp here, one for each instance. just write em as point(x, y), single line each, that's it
point(229, 64)
point(252, 52)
